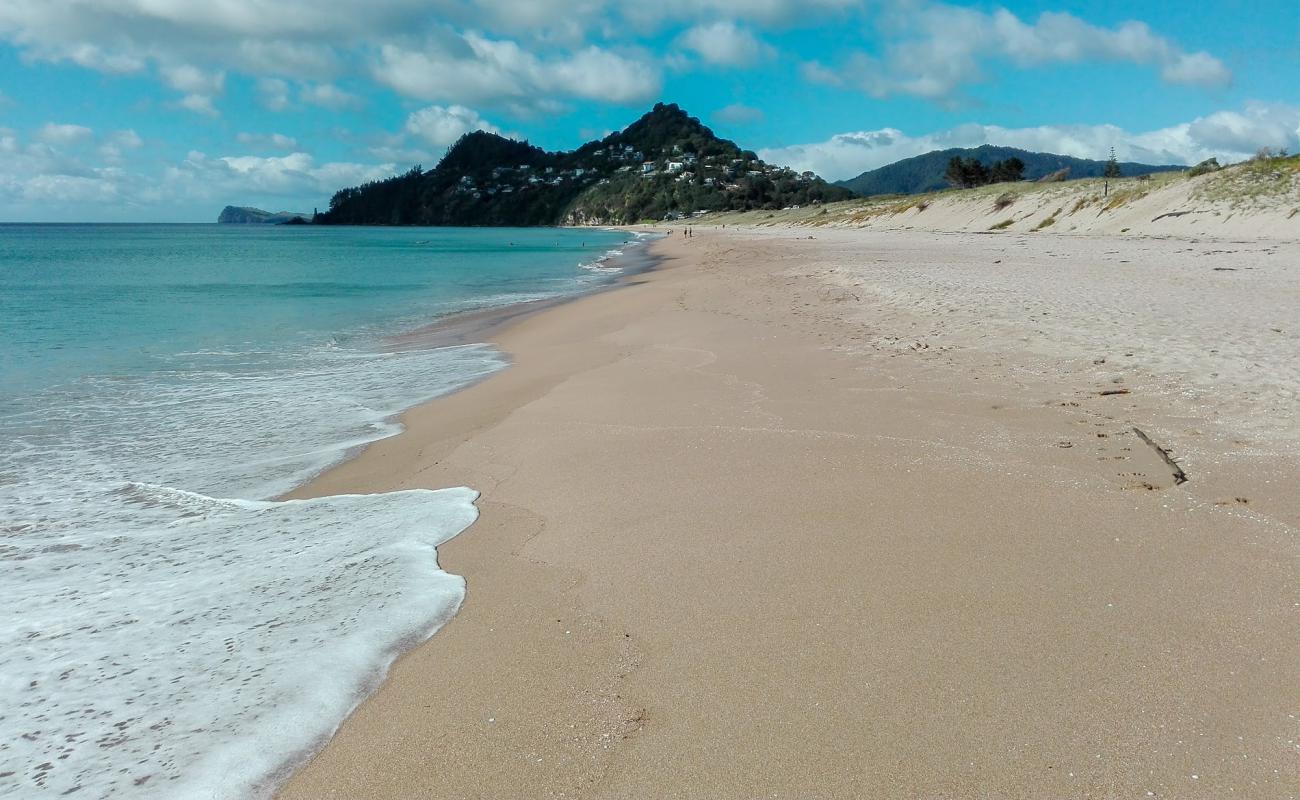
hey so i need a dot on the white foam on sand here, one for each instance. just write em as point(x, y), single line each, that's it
point(188, 646)
point(160, 642)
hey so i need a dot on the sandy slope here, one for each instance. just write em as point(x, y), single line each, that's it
point(1246, 201)
point(851, 517)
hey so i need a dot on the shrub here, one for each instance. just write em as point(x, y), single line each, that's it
point(1005, 199)
point(1205, 167)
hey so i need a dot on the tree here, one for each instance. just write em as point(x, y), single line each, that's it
point(967, 172)
point(1112, 167)
point(1009, 171)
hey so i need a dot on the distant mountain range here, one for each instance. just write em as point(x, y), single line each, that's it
point(664, 165)
point(924, 173)
point(243, 215)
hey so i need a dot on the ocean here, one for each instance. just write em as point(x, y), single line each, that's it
point(170, 630)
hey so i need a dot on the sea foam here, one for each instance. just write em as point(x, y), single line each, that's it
point(159, 641)
point(188, 646)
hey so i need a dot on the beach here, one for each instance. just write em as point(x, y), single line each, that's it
point(814, 513)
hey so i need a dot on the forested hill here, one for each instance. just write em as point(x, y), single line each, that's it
point(663, 165)
point(925, 173)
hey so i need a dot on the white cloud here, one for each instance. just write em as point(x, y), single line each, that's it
point(724, 43)
point(198, 103)
point(192, 80)
point(199, 86)
point(52, 175)
point(768, 12)
point(1227, 135)
point(117, 144)
point(64, 134)
point(738, 114)
point(273, 93)
point(327, 95)
point(935, 49)
point(533, 56)
point(441, 126)
point(267, 141)
point(292, 179)
point(292, 175)
point(476, 69)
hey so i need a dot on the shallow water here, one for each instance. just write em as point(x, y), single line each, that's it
point(171, 632)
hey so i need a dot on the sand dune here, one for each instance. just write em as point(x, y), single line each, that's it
point(1252, 200)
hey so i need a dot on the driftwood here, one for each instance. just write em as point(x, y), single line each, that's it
point(1180, 477)
point(1109, 392)
point(1175, 214)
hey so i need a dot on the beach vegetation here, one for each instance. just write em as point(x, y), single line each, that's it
point(1112, 169)
point(1271, 176)
point(1003, 225)
point(966, 173)
point(930, 172)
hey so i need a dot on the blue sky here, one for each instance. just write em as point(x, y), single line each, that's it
point(167, 110)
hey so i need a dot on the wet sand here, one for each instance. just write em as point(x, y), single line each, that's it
point(768, 522)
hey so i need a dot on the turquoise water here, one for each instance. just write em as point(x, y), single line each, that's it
point(171, 630)
point(113, 299)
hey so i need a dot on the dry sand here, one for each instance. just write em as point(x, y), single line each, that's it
point(851, 517)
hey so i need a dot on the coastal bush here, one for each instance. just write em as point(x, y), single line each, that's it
point(1004, 200)
point(1112, 169)
point(1003, 225)
point(966, 173)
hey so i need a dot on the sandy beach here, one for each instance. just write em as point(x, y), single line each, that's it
point(815, 513)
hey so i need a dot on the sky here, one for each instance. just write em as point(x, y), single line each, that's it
point(168, 110)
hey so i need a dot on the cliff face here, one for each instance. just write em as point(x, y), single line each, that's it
point(243, 215)
point(665, 164)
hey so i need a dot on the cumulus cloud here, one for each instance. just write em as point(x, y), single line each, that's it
point(63, 133)
point(475, 69)
point(724, 43)
point(199, 86)
point(936, 49)
point(1229, 135)
point(51, 173)
point(117, 144)
point(533, 55)
point(287, 175)
point(273, 93)
point(768, 12)
point(327, 95)
point(440, 126)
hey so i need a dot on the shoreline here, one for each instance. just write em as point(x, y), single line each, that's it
point(478, 325)
point(708, 522)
